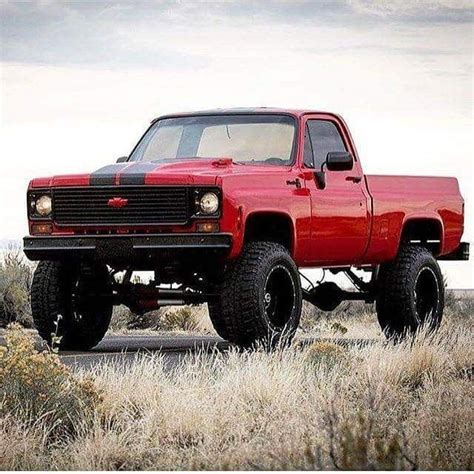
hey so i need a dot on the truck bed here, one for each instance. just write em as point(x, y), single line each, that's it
point(395, 200)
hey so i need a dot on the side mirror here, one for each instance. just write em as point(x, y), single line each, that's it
point(339, 161)
point(122, 159)
point(335, 161)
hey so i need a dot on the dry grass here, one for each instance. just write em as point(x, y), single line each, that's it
point(377, 406)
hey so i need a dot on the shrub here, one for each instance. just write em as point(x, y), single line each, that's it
point(123, 319)
point(327, 353)
point(353, 445)
point(315, 320)
point(459, 308)
point(15, 284)
point(337, 327)
point(193, 319)
point(37, 385)
point(181, 319)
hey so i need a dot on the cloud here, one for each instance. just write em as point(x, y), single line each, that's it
point(149, 34)
point(418, 11)
point(87, 34)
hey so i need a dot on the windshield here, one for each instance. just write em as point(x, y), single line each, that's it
point(247, 139)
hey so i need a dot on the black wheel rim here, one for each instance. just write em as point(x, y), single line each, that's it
point(87, 299)
point(426, 296)
point(279, 296)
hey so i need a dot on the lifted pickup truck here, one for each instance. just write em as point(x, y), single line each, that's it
point(224, 207)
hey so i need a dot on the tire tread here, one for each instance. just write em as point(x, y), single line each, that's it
point(235, 315)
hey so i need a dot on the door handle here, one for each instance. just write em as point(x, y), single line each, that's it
point(354, 179)
point(295, 182)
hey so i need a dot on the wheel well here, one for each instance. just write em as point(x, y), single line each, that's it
point(426, 232)
point(272, 227)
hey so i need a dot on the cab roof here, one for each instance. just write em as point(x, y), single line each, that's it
point(247, 110)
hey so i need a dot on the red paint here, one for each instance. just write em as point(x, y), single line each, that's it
point(347, 223)
point(117, 202)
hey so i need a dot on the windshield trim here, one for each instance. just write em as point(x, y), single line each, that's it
point(214, 113)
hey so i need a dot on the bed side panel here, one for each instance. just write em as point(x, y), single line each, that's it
point(398, 199)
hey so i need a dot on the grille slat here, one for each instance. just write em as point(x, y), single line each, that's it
point(123, 211)
point(73, 206)
point(146, 205)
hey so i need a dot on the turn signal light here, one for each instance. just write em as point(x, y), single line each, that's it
point(207, 227)
point(41, 229)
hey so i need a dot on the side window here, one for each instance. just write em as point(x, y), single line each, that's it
point(325, 137)
point(308, 150)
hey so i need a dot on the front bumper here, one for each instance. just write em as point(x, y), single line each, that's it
point(123, 246)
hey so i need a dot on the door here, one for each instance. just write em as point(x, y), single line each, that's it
point(339, 211)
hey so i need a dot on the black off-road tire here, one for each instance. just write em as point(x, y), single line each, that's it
point(243, 313)
point(78, 300)
point(410, 293)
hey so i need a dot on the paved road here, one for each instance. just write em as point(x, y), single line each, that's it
point(125, 348)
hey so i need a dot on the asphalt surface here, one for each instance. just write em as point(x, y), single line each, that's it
point(124, 349)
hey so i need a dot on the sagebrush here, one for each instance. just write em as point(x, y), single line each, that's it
point(36, 387)
point(15, 284)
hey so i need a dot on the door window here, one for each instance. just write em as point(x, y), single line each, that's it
point(308, 150)
point(325, 137)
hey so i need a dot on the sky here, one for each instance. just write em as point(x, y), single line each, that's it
point(80, 81)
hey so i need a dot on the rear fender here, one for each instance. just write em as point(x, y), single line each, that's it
point(425, 219)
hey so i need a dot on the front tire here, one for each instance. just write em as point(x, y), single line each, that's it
point(259, 298)
point(77, 299)
point(410, 293)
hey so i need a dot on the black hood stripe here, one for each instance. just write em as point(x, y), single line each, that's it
point(136, 173)
point(106, 176)
point(121, 173)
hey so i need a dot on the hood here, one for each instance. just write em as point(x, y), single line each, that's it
point(191, 171)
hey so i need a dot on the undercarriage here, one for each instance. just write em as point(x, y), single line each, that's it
point(327, 296)
point(141, 297)
point(255, 299)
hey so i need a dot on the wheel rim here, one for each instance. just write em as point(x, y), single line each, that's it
point(426, 295)
point(76, 300)
point(279, 296)
point(86, 299)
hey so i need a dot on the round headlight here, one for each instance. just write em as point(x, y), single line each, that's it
point(44, 206)
point(209, 203)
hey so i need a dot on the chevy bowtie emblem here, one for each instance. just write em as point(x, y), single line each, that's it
point(117, 202)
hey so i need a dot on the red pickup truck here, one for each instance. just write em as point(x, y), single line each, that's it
point(225, 207)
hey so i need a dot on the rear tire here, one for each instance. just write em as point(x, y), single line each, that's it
point(78, 300)
point(259, 298)
point(410, 293)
